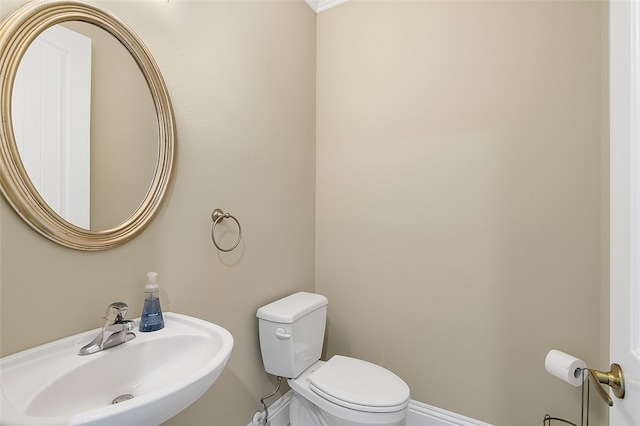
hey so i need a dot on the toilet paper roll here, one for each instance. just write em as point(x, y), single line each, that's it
point(565, 367)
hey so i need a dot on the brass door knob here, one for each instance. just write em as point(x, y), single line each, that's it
point(613, 378)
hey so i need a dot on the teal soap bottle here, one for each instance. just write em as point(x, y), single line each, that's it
point(151, 319)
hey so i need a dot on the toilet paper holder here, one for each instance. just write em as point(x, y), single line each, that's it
point(614, 378)
point(573, 371)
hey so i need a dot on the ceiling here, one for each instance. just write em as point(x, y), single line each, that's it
point(322, 5)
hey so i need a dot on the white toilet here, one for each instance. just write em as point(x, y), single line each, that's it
point(340, 392)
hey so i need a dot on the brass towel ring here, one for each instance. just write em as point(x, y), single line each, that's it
point(217, 215)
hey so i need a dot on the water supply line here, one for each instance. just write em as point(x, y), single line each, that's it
point(258, 419)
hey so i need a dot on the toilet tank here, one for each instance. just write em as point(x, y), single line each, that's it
point(292, 333)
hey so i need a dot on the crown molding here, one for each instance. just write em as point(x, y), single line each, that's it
point(322, 5)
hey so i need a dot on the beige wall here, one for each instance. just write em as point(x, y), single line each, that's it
point(242, 78)
point(458, 217)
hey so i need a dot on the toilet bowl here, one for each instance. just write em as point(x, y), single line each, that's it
point(342, 391)
point(347, 391)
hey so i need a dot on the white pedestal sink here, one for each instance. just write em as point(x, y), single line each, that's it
point(164, 371)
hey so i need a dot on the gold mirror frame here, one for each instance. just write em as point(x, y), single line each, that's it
point(17, 32)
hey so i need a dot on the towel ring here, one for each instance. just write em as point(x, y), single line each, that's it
point(217, 215)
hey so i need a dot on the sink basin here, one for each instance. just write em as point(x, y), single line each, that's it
point(156, 376)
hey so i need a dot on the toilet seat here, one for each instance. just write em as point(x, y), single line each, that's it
point(359, 385)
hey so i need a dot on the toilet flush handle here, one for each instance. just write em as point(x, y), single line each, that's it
point(282, 333)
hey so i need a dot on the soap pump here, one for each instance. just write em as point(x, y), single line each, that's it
point(151, 319)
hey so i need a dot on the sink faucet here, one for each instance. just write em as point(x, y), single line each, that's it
point(116, 330)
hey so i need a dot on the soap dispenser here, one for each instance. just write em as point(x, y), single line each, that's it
point(151, 319)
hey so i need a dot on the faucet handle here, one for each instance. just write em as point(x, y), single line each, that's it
point(129, 325)
point(116, 311)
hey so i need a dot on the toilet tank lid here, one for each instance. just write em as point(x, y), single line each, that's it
point(291, 308)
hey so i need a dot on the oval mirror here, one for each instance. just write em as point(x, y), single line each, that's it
point(113, 134)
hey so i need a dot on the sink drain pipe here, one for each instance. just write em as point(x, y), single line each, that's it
point(258, 419)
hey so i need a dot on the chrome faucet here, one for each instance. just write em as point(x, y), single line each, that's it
point(116, 330)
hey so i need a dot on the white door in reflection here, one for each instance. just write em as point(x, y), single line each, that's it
point(625, 205)
point(51, 110)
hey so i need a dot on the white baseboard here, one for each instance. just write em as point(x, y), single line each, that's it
point(420, 414)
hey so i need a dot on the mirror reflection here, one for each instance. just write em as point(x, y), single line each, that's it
point(85, 125)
